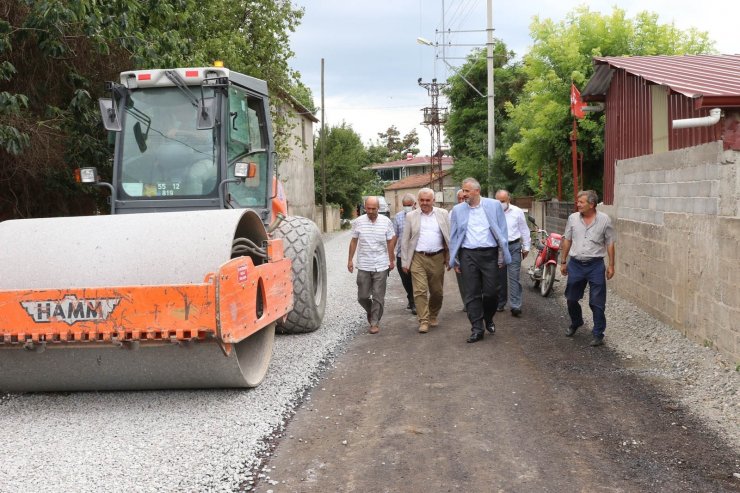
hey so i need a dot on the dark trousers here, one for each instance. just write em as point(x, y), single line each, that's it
point(479, 273)
point(406, 281)
point(580, 274)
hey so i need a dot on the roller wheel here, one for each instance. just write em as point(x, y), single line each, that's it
point(302, 244)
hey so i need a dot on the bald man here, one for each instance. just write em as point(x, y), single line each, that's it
point(373, 240)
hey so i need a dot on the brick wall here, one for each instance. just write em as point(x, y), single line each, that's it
point(678, 249)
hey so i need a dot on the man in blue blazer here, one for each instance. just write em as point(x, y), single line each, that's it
point(478, 248)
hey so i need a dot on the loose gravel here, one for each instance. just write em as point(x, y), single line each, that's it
point(207, 440)
point(697, 377)
point(213, 440)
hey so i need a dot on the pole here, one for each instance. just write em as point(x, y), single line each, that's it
point(323, 162)
point(491, 122)
point(574, 154)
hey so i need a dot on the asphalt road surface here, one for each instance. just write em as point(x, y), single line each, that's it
point(524, 410)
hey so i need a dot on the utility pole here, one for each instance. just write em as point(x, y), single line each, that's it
point(491, 109)
point(434, 118)
point(323, 162)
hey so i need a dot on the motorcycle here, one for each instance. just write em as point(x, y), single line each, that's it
point(542, 273)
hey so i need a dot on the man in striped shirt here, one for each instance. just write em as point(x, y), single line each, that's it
point(372, 239)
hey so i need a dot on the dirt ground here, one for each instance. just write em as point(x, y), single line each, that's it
point(524, 410)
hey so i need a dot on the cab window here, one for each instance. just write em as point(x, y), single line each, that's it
point(247, 142)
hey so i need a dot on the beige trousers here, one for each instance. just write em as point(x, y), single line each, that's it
point(427, 277)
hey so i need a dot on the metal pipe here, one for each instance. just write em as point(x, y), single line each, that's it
point(705, 121)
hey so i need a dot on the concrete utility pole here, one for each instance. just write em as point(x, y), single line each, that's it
point(323, 164)
point(434, 118)
point(491, 109)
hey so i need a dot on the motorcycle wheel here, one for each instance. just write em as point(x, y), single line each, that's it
point(548, 280)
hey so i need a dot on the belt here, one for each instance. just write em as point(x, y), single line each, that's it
point(587, 260)
point(515, 241)
point(483, 249)
point(430, 254)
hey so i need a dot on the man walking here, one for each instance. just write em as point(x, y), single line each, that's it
point(589, 237)
point(478, 231)
point(372, 238)
point(519, 244)
point(408, 202)
point(425, 253)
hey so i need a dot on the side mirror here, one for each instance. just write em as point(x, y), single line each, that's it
point(206, 113)
point(111, 120)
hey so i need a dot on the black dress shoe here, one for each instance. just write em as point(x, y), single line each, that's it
point(515, 312)
point(572, 330)
point(597, 341)
point(475, 337)
point(413, 310)
point(490, 327)
point(500, 309)
point(409, 306)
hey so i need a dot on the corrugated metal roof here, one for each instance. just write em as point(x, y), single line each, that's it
point(416, 181)
point(712, 80)
point(415, 161)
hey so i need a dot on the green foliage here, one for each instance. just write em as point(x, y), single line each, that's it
point(56, 55)
point(467, 125)
point(392, 147)
point(345, 157)
point(562, 52)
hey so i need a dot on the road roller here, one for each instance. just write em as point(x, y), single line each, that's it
point(185, 282)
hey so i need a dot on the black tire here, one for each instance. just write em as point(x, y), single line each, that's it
point(548, 280)
point(303, 246)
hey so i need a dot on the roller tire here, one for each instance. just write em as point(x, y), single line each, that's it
point(302, 244)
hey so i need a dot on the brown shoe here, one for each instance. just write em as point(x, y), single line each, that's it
point(433, 322)
point(424, 328)
point(374, 329)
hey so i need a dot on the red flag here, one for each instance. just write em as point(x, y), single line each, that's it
point(576, 103)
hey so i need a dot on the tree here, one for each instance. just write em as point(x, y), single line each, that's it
point(57, 54)
point(467, 125)
point(397, 147)
point(562, 52)
point(345, 157)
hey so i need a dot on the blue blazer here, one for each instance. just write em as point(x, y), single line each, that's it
point(496, 220)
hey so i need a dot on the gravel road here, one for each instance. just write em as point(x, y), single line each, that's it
point(169, 440)
point(212, 440)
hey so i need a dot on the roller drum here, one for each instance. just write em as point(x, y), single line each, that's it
point(127, 250)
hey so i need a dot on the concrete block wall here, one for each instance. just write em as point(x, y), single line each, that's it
point(296, 172)
point(333, 220)
point(678, 249)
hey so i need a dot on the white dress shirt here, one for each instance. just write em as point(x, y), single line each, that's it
point(430, 234)
point(517, 226)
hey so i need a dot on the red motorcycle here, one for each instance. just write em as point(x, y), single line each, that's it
point(542, 273)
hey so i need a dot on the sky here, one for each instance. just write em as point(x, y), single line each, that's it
point(372, 61)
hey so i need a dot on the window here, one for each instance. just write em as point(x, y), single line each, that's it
point(163, 153)
point(248, 142)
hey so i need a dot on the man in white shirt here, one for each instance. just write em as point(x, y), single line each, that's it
point(477, 230)
point(424, 254)
point(519, 244)
point(372, 238)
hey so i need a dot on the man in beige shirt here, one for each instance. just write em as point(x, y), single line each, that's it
point(424, 249)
